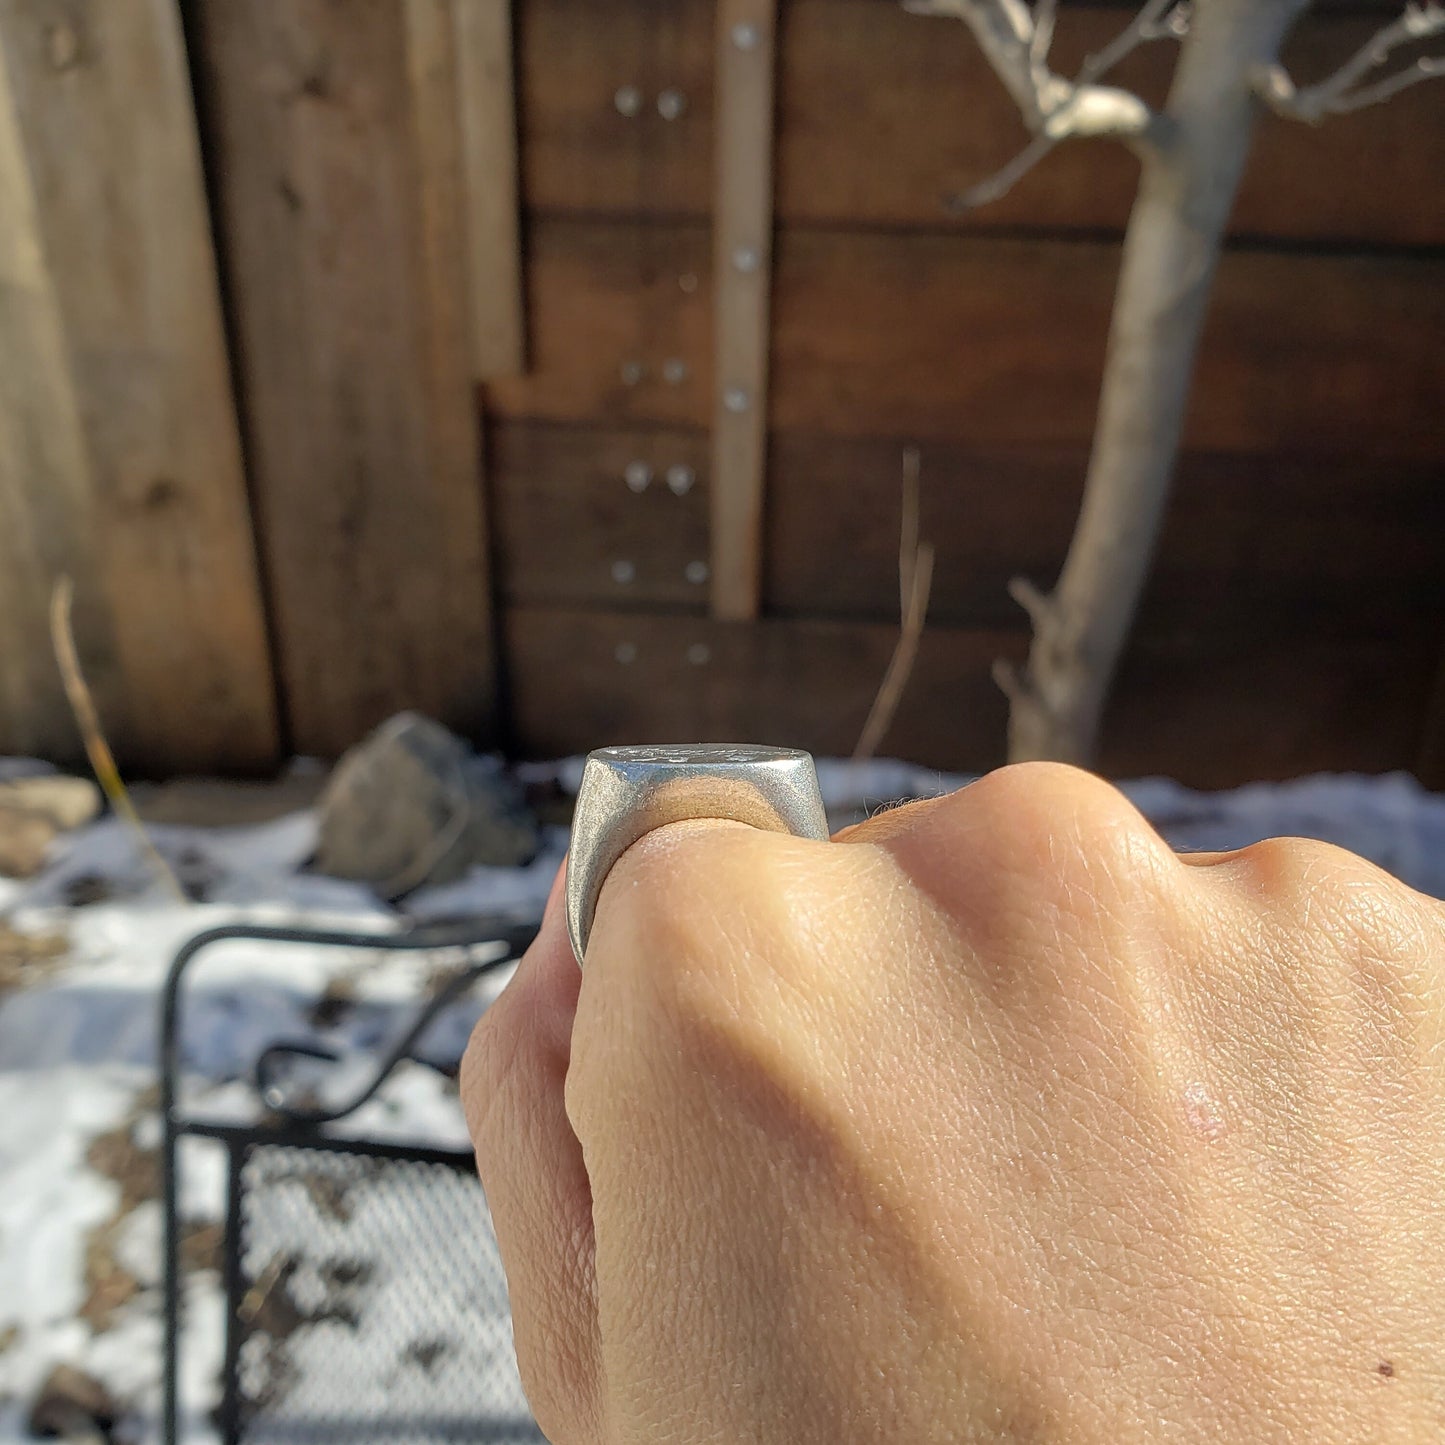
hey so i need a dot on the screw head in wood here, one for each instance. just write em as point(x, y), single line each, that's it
point(674, 371)
point(699, 654)
point(631, 372)
point(680, 479)
point(671, 104)
point(626, 653)
point(628, 100)
point(735, 399)
point(696, 573)
point(746, 260)
point(746, 36)
point(623, 572)
point(637, 475)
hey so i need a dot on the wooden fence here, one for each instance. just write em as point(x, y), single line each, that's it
point(547, 367)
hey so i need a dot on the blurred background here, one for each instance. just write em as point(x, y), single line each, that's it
point(406, 354)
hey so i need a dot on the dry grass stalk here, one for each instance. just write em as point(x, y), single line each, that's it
point(915, 581)
point(87, 719)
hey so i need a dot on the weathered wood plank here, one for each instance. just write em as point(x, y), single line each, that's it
point(485, 92)
point(1331, 544)
point(996, 341)
point(121, 457)
point(1334, 545)
point(334, 137)
point(640, 297)
point(1210, 716)
point(635, 678)
point(881, 113)
point(616, 518)
point(742, 274)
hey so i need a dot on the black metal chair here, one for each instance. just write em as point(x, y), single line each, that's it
point(364, 1298)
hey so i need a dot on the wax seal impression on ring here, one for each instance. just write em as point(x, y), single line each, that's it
point(627, 792)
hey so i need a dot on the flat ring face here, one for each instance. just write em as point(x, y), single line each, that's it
point(627, 792)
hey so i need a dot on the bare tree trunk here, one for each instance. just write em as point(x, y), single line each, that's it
point(1186, 193)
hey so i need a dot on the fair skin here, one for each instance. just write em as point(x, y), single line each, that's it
point(992, 1120)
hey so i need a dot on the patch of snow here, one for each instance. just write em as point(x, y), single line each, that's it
point(50, 1200)
point(78, 1047)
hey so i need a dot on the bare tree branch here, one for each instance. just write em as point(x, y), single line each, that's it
point(1158, 20)
point(1038, 606)
point(1000, 183)
point(1016, 40)
point(915, 580)
point(1045, 13)
point(1342, 92)
point(87, 719)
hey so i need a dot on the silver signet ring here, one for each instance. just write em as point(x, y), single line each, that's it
point(627, 792)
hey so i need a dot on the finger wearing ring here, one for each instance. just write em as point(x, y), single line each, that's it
point(627, 792)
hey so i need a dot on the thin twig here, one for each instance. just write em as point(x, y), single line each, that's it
point(1333, 95)
point(908, 530)
point(1003, 181)
point(1016, 39)
point(915, 577)
point(1427, 67)
point(1145, 26)
point(1045, 14)
point(900, 665)
point(87, 719)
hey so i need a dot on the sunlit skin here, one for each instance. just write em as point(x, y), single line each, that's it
point(998, 1122)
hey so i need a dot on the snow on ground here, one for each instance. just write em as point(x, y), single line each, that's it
point(79, 1223)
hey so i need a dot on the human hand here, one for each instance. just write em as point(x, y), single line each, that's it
point(999, 1122)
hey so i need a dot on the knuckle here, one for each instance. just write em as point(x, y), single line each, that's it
point(1333, 897)
point(1061, 831)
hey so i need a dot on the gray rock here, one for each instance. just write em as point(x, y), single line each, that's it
point(413, 805)
point(67, 802)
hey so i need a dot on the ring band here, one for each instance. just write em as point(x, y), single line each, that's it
point(627, 792)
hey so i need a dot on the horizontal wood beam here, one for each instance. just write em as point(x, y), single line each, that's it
point(1212, 716)
point(881, 114)
point(1336, 545)
point(990, 340)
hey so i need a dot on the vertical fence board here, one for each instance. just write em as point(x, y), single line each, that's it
point(486, 97)
point(337, 151)
point(122, 460)
point(742, 266)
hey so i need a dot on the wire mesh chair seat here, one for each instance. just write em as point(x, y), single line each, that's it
point(364, 1299)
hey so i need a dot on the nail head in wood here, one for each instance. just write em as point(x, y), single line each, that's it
point(745, 36)
point(637, 475)
point(628, 100)
point(623, 572)
point(671, 104)
point(680, 479)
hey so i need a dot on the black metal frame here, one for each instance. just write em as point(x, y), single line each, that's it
point(289, 1122)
